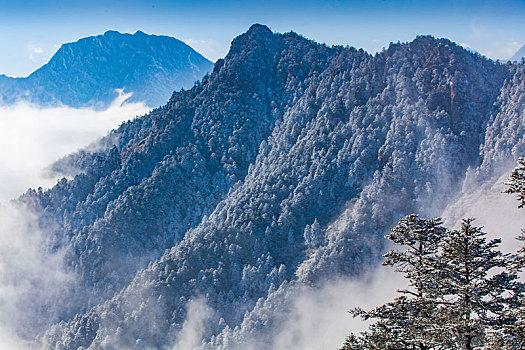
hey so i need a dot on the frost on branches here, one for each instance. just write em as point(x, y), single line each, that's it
point(516, 183)
point(512, 335)
point(460, 290)
point(463, 292)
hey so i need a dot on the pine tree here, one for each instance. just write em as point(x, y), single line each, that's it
point(313, 235)
point(405, 322)
point(472, 297)
point(455, 299)
point(516, 183)
point(512, 335)
point(353, 342)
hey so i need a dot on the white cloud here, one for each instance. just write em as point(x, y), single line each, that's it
point(302, 317)
point(503, 49)
point(35, 51)
point(493, 209)
point(193, 328)
point(31, 138)
point(209, 48)
point(319, 318)
point(9, 341)
point(32, 279)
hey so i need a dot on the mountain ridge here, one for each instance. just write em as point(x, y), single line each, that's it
point(87, 72)
point(284, 167)
point(519, 55)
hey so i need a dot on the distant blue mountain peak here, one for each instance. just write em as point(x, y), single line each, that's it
point(88, 72)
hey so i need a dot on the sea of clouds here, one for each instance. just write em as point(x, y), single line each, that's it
point(32, 278)
point(32, 137)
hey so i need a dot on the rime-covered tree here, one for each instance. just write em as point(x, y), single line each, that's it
point(512, 335)
point(516, 185)
point(354, 342)
point(516, 182)
point(212, 193)
point(400, 325)
point(455, 296)
point(313, 235)
point(406, 322)
point(473, 297)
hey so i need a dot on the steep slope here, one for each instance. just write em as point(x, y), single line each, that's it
point(519, 55)
point(162, 173)
point(284, 167)
point(504, 138)
point(87, 72)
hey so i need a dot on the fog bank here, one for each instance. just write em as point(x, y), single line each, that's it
point(31, 138)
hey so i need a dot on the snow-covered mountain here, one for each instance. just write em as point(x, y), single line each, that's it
point(88, 72)
point(518, 55)
point(282, 169)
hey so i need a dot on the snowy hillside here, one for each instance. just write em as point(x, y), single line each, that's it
point(199, 224)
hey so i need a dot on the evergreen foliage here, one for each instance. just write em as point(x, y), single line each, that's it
point(516, 182)
point(475, 297)
point(283, 167)
point(457, 297)
point(409, 317)
point(511, 336)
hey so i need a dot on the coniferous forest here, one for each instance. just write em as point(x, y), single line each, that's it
point(283, 169)
point(463, 293)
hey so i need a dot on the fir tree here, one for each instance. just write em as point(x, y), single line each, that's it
point(512, 335)
point(455, 298)
point(405, 322)
point(353, 342)
point(516, 182)
point(472, 298)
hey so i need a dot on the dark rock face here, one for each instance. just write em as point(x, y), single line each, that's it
point(87, 72)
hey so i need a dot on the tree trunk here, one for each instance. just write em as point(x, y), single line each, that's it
point(468, 346)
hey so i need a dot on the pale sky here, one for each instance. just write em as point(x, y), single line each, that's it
point(32, 31)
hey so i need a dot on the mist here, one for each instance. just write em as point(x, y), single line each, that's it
point(319, 318)
point(193, 328)
point(32, 137)
point(492, 208)
point(33, 280)
point(35, 286)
